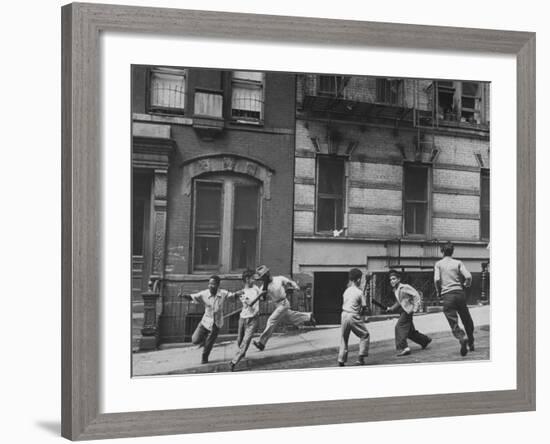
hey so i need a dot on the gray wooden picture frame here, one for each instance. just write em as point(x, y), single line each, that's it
point(81, 172)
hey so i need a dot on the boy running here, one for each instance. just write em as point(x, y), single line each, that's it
point(275, 288)
point(407, 303)
point(450, 278)
point(212, 298)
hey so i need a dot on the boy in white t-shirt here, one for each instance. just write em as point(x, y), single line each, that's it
point(248, 320)
point(213, 299)
point(353, 307)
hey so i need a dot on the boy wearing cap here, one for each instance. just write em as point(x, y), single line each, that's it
point(353, 307)
point(212, 298)
point(275, 288)
point(407, 303)
point(248, 320)
point(450, 278)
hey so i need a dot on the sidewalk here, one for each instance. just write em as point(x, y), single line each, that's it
point(302, 343)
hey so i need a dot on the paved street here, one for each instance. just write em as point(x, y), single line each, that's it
point(318, 347)
point(444, 348)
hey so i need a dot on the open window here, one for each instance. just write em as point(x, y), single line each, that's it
point(446, 107)
point(247, 100)
point(470, 102)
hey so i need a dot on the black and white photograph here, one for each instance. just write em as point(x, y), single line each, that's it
point(275, 222)
point(298, 221)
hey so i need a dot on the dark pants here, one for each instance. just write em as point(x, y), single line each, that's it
point(205, 337)
point(454, 305)
point(404, 329)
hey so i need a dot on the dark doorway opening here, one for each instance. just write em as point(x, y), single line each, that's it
point(328, 288)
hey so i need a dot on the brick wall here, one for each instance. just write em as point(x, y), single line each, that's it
point(376, 172)
point(461, 151)
point(273, 150)
point(374, 225)
point(303, 222)
point(373, 199)
point(304, 194)
point(455, 229)
point(455, 203)
point(305, 168)
point(374, 186)
point(459, 180)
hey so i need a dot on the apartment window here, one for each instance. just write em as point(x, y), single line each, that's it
point(208, 103)
point(470, 101)
point(416, 200)
point(247, 96)
point(208, 224)
point(245, 226)
point(330, 86)
point(484, 223)
point(387, 91)
point(226, 223)
point(330, 193)
point(167, 90)
point(445, 100)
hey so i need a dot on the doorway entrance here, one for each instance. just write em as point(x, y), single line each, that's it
point(328, 288)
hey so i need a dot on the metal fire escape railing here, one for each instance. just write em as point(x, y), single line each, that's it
point(425, 122)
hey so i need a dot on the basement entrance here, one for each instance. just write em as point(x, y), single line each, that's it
point(328, 288)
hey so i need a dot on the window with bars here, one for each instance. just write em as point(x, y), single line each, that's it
point(167, 90)
point(485, 196)
point(247, 100)
point(330, 193)
point(416, 200)
point(388, 91)
point(226, 223)
point(330, 86)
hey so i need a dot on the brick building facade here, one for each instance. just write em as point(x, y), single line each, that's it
point(308, 174)
point(213, 168)
point(386, 170)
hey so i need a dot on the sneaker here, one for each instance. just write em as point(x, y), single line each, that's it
point(463, 347)
point(360, 360)
point(258, 345)
point(406, 351)
point(471, 346)
point(341, 364)
point(232, 366)
point(427, 343)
